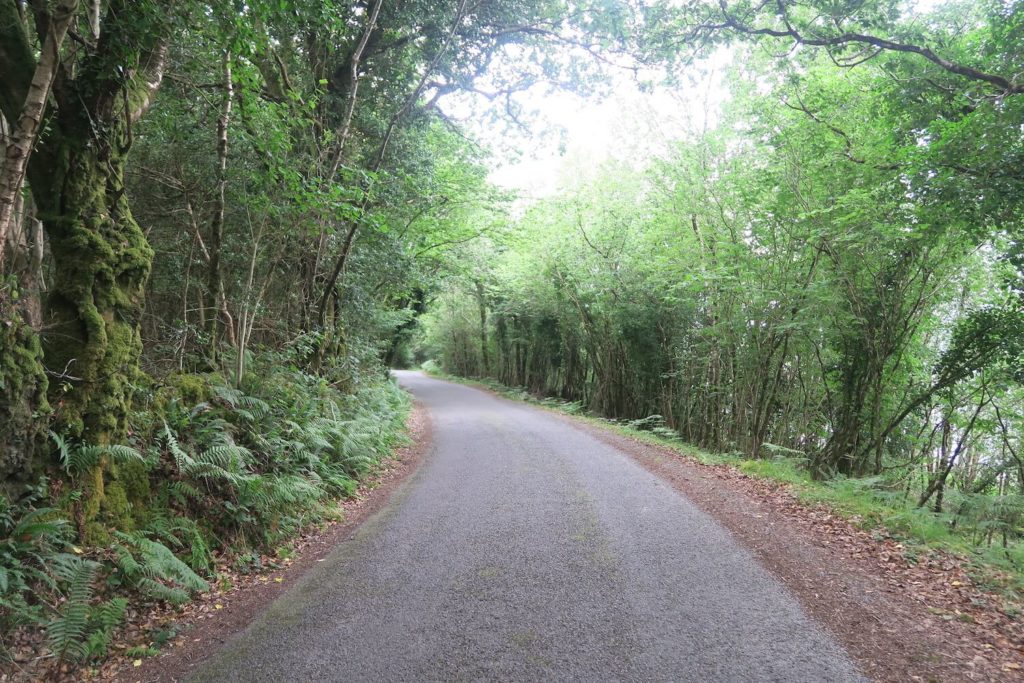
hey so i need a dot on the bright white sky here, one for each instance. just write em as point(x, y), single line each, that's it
point(630, 125)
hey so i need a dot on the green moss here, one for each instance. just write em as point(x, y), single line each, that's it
point(115, 509)
point(96, 535)
point(93, 491)
point(112, 498)
point(23, 386)
point(191, 388)
point(134, 478)
point(102, 260)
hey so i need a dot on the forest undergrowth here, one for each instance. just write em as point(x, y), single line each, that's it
point(212, 477)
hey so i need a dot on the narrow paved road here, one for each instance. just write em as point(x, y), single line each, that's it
point(525, 549)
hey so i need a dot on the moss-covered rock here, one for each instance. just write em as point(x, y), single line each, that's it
point(192, 389)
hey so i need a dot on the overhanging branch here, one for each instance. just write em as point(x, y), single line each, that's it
point(1005, 85)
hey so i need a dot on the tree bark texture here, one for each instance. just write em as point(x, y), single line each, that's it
point(101, 258)
point(30, 120)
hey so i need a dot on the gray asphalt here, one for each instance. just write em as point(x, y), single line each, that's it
point(525, 549)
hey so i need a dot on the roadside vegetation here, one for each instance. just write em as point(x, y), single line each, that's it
point(214, 219)
point(962, 532)
point(823, 282)
point(210, 477)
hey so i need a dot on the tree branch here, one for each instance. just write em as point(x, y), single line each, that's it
point(16, 61)
point(1005, 85)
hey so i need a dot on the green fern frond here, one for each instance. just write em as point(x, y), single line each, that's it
point(158, 591)
point(78, 458)
point(257, 407)
point(227, 457)
point(182, 490)
point(229, 395)
point(103, 620)
point(181, 458)
point(66, 633)
point(155, 567)
point(41, 523)
point(125, 561)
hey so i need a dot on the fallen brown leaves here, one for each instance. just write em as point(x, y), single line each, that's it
point(902, 614)
point(976, 624)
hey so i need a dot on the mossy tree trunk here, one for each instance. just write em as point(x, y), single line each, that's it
point(100, 255)
point(95, 299)
point(22, 386)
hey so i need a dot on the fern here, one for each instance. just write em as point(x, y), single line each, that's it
point(81, 630)
point(31, 542)
point(184, 533)
point(103, 621)
point(126, 562)
point(253, 470)
point(160, 591)
point(223, 462)
point(149, 566)
point(248, 407)
point(183, 491)
point(259, 483)
point(66, 633)
point(77, 458)
point(40, 523)
point(227, 457)
point(181, 458)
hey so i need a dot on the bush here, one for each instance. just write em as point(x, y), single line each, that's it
point(219, 467)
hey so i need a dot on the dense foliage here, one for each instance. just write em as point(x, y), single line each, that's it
point(829, 273)
point(215, 220)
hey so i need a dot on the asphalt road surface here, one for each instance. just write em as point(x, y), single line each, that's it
point(525, 549)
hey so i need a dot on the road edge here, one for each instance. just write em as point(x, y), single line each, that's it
point(823, 560)
point(216, 617)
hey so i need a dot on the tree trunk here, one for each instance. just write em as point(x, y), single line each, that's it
point(937, 485)
point(95, 300)
point(484, 354)
point(214, 281)
point(30, 121)
point(22, 385)
point(101, 259)
point(23, 99)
